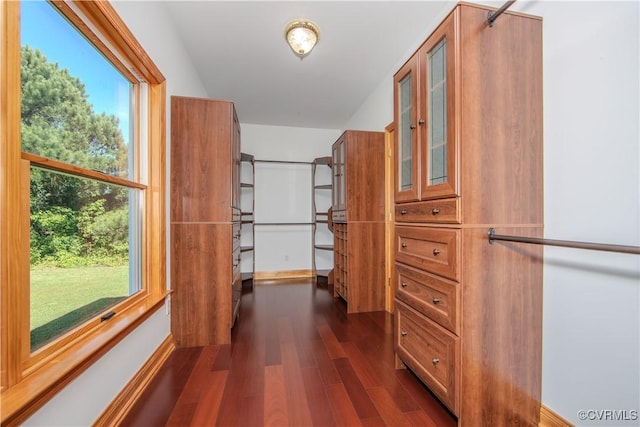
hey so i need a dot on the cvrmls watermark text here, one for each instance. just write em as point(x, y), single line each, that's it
point(608, 414)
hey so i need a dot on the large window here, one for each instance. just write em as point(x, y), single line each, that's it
point(77, 108)
point(82, 190)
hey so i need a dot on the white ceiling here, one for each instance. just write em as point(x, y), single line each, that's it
point(240, 53)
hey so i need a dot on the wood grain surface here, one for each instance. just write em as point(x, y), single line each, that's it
point(333, 369)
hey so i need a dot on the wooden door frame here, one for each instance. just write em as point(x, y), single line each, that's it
point(389, 188)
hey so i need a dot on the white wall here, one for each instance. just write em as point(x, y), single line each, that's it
point(283, 194)
point(84, 399)
point(591, 330)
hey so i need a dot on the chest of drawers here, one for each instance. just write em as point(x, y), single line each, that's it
point(468, 129)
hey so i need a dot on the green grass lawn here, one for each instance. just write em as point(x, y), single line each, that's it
point(62, 298)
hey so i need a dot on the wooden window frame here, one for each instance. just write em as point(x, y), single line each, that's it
point(27, 383)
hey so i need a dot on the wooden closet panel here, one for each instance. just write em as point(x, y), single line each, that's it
point(201, 160)
point(365, 258)
point(364, 176)
point(205, 219)
point(502, 334)
point(502, 135)
point(201, 271)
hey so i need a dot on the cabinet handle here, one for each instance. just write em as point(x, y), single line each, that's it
point(435, 361)
point(435, 211)
point(403, 333)
point(403, 284)
point(403, 212)
point(412, 127)
point(436, 300)
point(436, 252)
point(403, 245)
point(421, 122)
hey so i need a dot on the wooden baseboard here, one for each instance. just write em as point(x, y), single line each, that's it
point(124, 401)
point(548, 418)
point(288, 274)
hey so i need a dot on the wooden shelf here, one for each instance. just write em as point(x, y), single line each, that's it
point(324, 247)
point(323, 161)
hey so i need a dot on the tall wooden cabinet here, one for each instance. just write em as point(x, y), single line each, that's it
point(205, 220)
point(358, 220)
point(468, 115)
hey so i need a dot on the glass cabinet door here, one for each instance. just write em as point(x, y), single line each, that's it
point(405, 94)
point(336, 177)
point(438, 147)
point(235, 174)
point(343, 176)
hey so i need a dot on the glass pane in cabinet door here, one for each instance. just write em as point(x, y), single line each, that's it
point(437, 145)
point(405, 154)
point(343, 177)
point(336, 172)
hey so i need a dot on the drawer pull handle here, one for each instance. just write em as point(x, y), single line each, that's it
point(403, 212)
point(403, 284)
point(412, 127)
point(435, 211)
point(421, 122)
point(436, 300)
point(436, 252)
point(435, 361)
point(403, 333)
point(403, 245)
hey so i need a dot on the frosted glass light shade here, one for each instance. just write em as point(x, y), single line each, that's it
point(302, 36)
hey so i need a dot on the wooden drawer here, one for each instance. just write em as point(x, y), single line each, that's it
point(235, 264)
point(430, 351)
point(444, 211)
point(431, 249)
point(235, 215)
point(235, 236)
point(436, 298)
point(236, 295)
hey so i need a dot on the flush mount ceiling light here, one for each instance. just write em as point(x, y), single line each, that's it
point(302, 35)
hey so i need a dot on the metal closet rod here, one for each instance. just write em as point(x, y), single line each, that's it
point(283, 223)
point(564, 243)
point(283, 161)
point(494, 15)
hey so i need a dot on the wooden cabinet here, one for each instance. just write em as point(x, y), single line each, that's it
point(468, 114)
point(205, 220)
point(358, 220)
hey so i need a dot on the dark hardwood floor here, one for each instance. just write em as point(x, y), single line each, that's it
point(296, 359)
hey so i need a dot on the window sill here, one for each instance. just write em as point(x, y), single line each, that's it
point(24, 398)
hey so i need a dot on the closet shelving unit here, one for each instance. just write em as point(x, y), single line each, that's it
point(306, 222)
point(321, 217)
point(247, 216)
